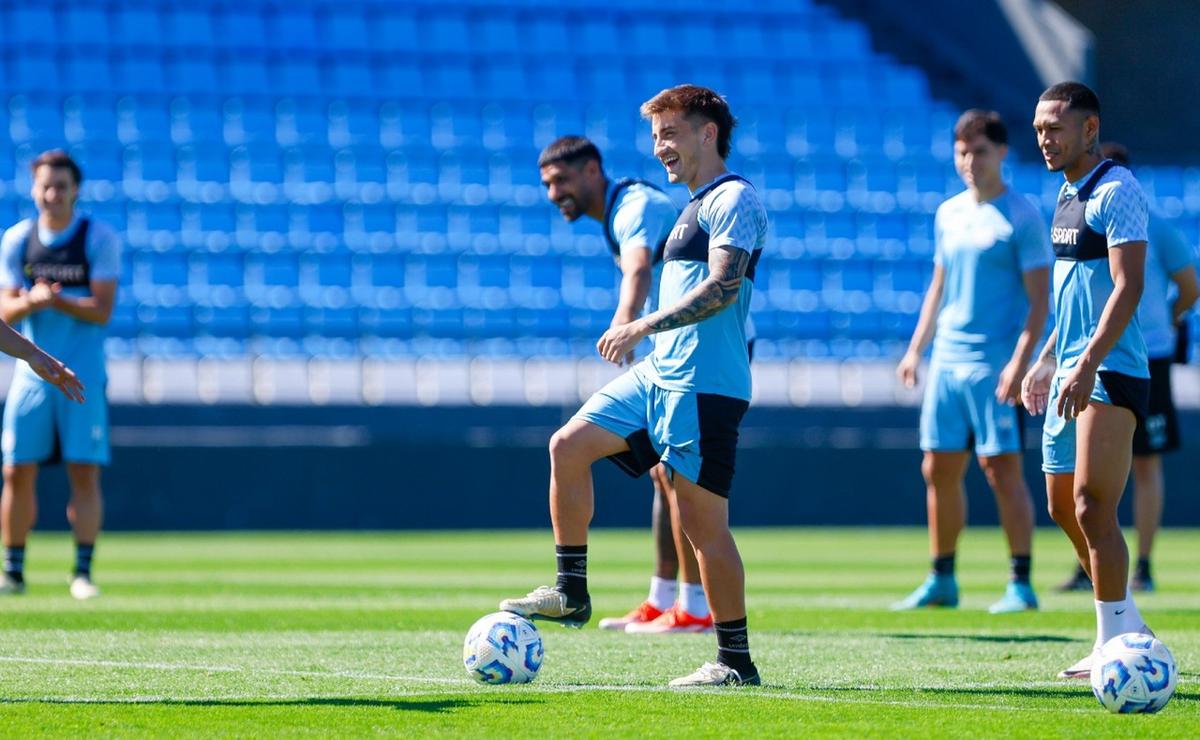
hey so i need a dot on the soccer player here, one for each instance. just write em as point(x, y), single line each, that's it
point(1171, 290)
point(637, 218)
point(1092, 379)
point(58, 277)
point(681, 406)
point(985, 312)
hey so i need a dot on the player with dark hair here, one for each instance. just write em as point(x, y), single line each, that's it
point(1092, 379)
point(58, 277)
point(1171, 291)
point(637, 218)
point(984, 312)
point(681, 406)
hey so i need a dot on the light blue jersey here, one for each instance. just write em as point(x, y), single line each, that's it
point(709, 356)
point(1167, 253)
point(1116, 211)
point(985, 249)
point(78, 344)
point(639, 217)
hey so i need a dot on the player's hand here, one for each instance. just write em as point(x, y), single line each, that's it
point(906, 371)
point(618, 342)
point(1035, 388)
point(1008, 389)
point(57, 374)
point(1076, 392)
point(42, 294)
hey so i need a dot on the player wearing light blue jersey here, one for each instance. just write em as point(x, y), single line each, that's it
point(985, 310)
point(1092, 379)
point(59, 277)
point(1170, 292)
point(637, 218)
point(683, 405)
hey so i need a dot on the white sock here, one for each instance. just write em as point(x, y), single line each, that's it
point(662, 593)
point(693, 601)
point(1134, 622)
point(1110, 620)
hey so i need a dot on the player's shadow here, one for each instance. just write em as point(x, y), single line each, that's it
point(979, 638)
point(431, 706)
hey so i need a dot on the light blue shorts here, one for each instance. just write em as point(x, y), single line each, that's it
point(42, 425)
point(1058, 434)
point(960, 412)
point(694, 434)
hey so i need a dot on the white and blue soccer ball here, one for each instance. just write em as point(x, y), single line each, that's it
point(503, 648)
point(1134, 673)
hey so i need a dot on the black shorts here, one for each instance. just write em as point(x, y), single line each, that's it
point(1158, 432)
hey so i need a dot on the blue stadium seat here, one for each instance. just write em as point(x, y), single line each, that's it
point(139, 74)
point(203, 162)
point(243, 74)
point(394, 29)
point(100, 160)
point(87, 73)
point(189, 28)
point(332, 322)
point(216, 278)
point(280, 322)
point(344, 29)
point(354, 124)
point(294, 75)
point(546, 33)
point(166, 321)
point(348, 78)
point(89, 117)
point(294, 29)
point(27, 24)
point(394, 323)
point(84, 26)
point(142, 119)
point(490, 33)
point(249, 120)
point(192, 74)
point(228, 322)
point(403, 79)
point(507, 79)
point(445, 32)
point(441, 323)
point(271, 278)
point(255, 163)
point(240, 28)
point(307, 164)
point(123, 322)
point(403, 126)
point(196, 121)
point(137, 27)
point(36, 119)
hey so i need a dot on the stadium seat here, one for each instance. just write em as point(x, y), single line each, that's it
point(189, 28)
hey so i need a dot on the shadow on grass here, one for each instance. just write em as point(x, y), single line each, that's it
point(979, 638)
point(432, 706)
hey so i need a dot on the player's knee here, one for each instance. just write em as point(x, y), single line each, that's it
point(564, 446)
point(1062, 515)
point(1092, 513)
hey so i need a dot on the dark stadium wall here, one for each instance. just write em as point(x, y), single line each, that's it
point(1147, 71)
point(214, 468)
point(970, 53)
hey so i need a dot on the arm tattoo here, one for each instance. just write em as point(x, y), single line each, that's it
point(726, 268)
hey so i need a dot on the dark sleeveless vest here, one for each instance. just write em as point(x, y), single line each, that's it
point(67, 265)
point(690, 242)
point(613, 247)
point(1073, 239)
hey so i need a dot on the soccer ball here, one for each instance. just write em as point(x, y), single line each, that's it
point(503, 648)
point(1134, 673)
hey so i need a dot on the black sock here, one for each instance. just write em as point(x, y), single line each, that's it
point(572, 571)
point(943, 565)
point(733, 647)
point(83, 559)
point(1143, 569)
point(1021, 565)
point(14, 563)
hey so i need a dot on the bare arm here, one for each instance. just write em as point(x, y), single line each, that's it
point(1037, 287)
point(906, 371)
point(726, 268)
point(635, 285)
point(16, 304)
point(94, 309)
point(1189, 291)
point(47, 367)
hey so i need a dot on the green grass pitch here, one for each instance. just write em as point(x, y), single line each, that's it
point(361, 634)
